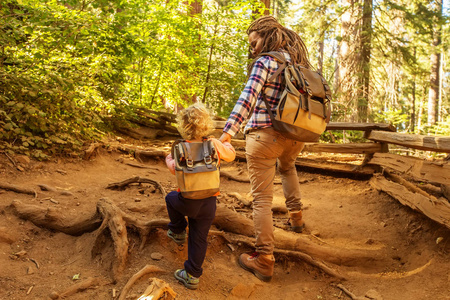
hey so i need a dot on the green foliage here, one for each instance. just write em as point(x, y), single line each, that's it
point(398, 118)
point(68, 67)
point(441, 128)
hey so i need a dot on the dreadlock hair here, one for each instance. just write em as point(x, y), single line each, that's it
point(276, 37)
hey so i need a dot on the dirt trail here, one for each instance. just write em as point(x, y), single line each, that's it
point(340, 212)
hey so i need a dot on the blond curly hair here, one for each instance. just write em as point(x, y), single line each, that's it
point(195, 122)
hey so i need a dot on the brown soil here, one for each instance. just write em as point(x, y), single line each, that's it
point(340, 211)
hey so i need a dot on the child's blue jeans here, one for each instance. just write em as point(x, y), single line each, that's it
point(200, 213)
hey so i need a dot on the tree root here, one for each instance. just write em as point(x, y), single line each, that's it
point(78, 287)
point(233, 222)
point(147, 269)
point(107, 216)
point(55, 219)
point(117, 222)
point(158, 289)
point(314, 262)
point(109, 219)
point(91, 151)
point(17, 189)
point(391, 275)
point(305, 257)
point(137, 179)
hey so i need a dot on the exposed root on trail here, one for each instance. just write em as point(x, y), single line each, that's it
point(144, 271)
point(17, 189)
point(235, 239)
point(137, 179)
point(117, 222)
point(92, 150)
point(78, 287)
point(56, 218)
point(391, 275)
point(110, 220)
point(158, 289)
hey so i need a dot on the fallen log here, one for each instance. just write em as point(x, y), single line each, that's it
point(148, 152)
point(435, 209)
point(415, 141)
point(413, 188)
point(433, 172)
point(351, 148)
point(343, 126)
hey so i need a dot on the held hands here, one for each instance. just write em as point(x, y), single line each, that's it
point(225, 137)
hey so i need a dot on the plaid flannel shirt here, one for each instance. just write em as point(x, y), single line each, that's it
point(264, 67)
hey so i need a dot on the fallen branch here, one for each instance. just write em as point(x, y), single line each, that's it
point(230, 176)
point(147, 269)
point(78, 287)
point(350, 294)
point(242, 199)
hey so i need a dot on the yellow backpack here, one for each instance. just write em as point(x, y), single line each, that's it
point(196, 168)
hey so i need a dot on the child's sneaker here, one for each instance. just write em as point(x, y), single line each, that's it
point(178, 238)
point(187, 279)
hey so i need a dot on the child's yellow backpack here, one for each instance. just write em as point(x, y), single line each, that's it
point(196, 168)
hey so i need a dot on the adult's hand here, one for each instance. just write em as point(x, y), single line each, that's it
point(225, 137)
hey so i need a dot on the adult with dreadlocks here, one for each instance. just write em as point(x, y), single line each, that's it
point(267, 149)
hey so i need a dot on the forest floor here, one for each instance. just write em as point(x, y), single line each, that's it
point(340, 210)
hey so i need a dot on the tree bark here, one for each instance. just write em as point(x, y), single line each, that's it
point(435, 59)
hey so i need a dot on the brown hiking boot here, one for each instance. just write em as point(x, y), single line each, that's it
point(295, 221)
point(259, 264)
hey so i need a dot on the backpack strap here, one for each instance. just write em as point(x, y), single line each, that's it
point(174, 145)
point(283, 63)
point(279, 57)
point(207, 155)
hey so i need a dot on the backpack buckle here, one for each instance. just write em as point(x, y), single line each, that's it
point(190, 163)
point(208, 160)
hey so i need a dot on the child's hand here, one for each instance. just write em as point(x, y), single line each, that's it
point(225, 137)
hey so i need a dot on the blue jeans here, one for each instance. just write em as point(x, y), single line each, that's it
point(200, 213)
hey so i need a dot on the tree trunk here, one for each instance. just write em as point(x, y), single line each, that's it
point(433, 95)
point(267, 4)
point(348, 84)
point(413, 104)
point(366, 39)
